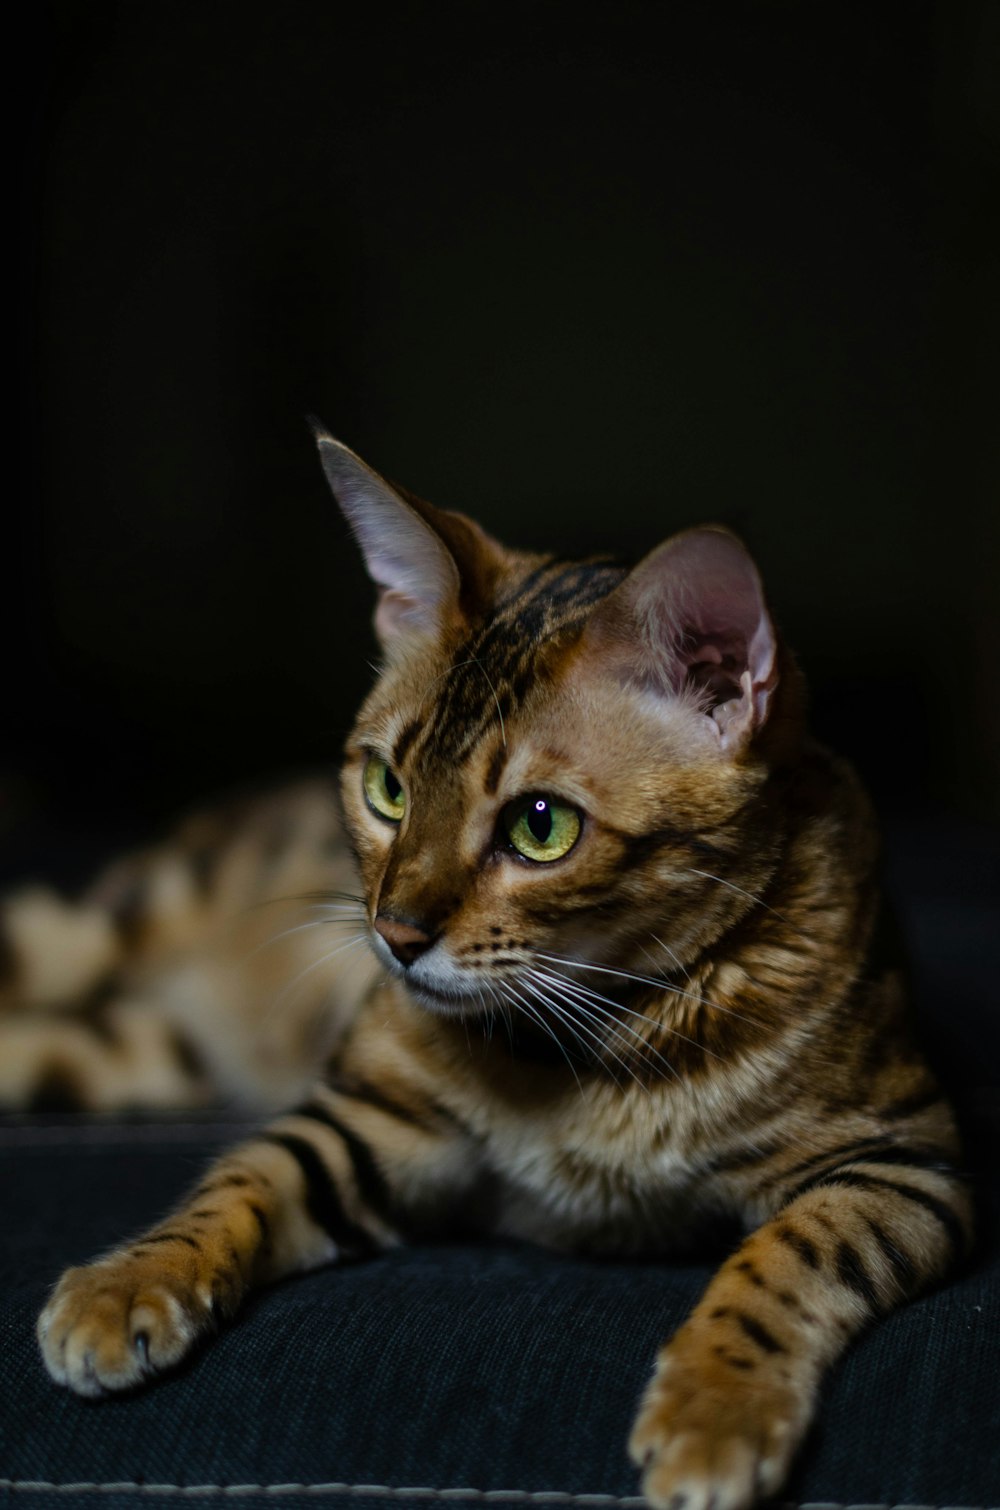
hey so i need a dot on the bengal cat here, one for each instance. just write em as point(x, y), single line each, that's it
point(622, 981)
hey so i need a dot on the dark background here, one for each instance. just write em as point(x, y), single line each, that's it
point(591, 275)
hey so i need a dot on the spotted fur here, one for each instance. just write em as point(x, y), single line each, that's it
point(688, 1018)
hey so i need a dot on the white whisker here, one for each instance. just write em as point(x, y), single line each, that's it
point(648, 980)
point(667, 950)
point(585, 995)
point(503, 732)
point(534, 1016)
point(545, 1001)
point(758, 901)
point(603, 1039)
point(359, 938)
point(644, 980)
point(323, 898)
point(326, 922)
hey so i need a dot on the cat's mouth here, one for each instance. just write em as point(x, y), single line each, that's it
point(446, 991)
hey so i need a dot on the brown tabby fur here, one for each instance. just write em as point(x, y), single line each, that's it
point(708, 1031)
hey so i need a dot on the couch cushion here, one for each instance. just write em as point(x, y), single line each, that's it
point(454, 1371)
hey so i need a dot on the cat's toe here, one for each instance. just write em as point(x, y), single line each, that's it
point(700, 1452)
point(700, 1471)
point(112, 1324)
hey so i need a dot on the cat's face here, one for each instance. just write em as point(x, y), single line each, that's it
point(554, 757)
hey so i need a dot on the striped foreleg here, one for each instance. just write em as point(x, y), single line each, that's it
point(338, 1179)
point(736, 1388)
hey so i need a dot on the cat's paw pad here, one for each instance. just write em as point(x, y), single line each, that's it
point(114, 1323)
point(702, 1448)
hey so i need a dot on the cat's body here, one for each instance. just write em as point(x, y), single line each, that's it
point(623, 913)
point(191, 974)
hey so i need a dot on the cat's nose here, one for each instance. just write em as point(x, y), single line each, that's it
point(406, 941)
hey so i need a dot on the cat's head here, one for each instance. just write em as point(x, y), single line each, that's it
point(555, 755)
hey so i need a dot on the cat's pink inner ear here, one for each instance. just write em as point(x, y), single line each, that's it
point(699, 625)
point(414, 570)
point(726, 642)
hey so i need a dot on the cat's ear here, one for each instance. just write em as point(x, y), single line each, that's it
point(690, 620)
point(416, 573)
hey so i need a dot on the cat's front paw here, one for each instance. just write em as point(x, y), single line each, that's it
point(707, 1441)
point(115, 1323)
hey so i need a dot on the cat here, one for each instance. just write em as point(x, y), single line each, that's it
point(623, 981)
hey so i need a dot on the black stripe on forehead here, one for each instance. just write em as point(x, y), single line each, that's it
point(558, 584)
point(405, 740)
point(494, 668)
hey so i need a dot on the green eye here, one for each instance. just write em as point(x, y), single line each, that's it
point(384, 790)
point(540, 828)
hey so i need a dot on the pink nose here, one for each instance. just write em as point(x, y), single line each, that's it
point(406, 942)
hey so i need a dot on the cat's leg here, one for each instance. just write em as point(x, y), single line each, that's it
point(342, 1177)
point(735, 1389)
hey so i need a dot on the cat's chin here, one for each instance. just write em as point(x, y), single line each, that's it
point(444, 1003)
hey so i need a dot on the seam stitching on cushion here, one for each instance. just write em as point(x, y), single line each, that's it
point(90, 1137)
point(516, 1496)
point(543, 1496)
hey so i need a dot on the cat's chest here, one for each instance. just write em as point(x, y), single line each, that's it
point(561, 1160)
point(630, 1181)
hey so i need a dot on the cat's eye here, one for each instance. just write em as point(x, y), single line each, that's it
point(383, 789)
point(541, 828)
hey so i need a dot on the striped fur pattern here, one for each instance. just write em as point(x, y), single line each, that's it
point(194, 973)
point(686, 1017)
